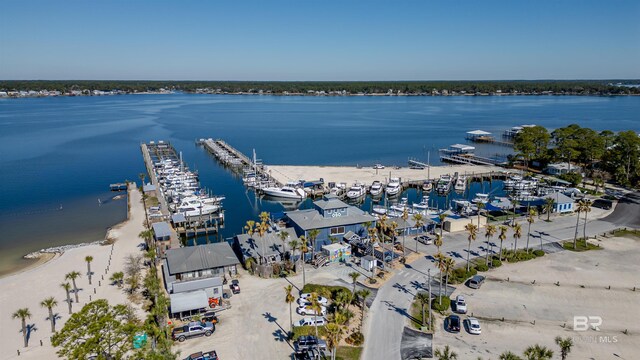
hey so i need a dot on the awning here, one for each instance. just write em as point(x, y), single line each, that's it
point(478, 132)
point(187, 301)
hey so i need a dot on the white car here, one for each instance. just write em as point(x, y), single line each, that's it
point(308, 310)
point(311, 321)
point(461, 305)
point(306, 299)
point(473, 325)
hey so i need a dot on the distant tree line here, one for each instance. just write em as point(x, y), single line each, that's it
point(577, 87)
point(603, 155)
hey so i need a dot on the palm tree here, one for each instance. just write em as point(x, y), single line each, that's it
point(537, 352)
point(502, 237)
point(67, 288)
point(50, 303)
point(334, 334)
point(530, 219)
point(147, 236)
point(363, 295)
point(262, 230)
point(354, 275)
point(473, 233)
point(423, 298)
point(303, 249)
point(250, 227)
point(575, 237)
point(441, 218)
point(548, 207)
point(449, 264)
point(508, 355)
point(418, 220)
point(565, 346)
point(515, 205)
point(517, 234)
point(446, 354)
point(586, 209)
point(404, 217)
point(142, 176)
point(393, 227)
point(438, 242)
point(294, 245)
point(316, 307)
point(117, 278)
point(440, 258)
point(490, 230)
point(289, 299)
point(480, 206)
point(283, 235)
point(313, 235)
point(89, 259)
point(23, 315)
point(73, 276)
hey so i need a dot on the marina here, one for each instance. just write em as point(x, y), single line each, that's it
point(191, 210)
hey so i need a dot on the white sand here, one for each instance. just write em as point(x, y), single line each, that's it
point(366, 175)
point(28, 288)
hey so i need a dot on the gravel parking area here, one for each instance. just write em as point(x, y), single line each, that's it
point(567, 284)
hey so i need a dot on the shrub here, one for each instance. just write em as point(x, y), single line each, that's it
point(356, 339)
point(538, 253)
point(496, 263)
point(482, 267)
point(325, 290)
point(461, 274)
point(446, 303)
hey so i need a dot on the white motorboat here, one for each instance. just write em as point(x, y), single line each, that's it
point(376, 188)
point(356, 191)
point(444, 184)
point(423, 204)
point(193, 208)
point(481, 198)
point(339, 189)
point(401, 206)
point(380, 210)
point(461, 183)
point(427, 186)
point(289, 191)
point(393, 187)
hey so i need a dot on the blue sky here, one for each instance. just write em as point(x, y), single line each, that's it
point(319, 40)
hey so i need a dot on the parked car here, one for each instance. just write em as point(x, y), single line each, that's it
point(453, 323)
point(311, 321)
point(307, 300)
point(235, 286)
point(308, 310)
point(475, 282)
point(461, 305)
point(210, 316)
point(209, 355)
point(305, 343)
point(473, 326)
point(195, 328)
point(378, 166)
point(603, 204)
point(424, 239)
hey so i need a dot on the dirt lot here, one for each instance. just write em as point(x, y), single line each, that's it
point(255, 327)
point(538, 312)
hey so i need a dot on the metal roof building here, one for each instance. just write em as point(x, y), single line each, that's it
point(161, 231)
point(200, 257)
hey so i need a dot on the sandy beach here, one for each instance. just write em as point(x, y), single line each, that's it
point(29, 287)
point(366, 175)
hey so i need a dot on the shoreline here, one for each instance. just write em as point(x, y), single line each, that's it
point(45, 255)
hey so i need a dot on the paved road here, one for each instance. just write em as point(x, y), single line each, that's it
point(627, 212)
point(390, 310)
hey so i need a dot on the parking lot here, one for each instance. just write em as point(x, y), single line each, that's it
point(567, 284)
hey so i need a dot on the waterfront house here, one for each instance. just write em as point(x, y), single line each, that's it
point(332, 218)
point(562, 168)
point(200, 267)
point(561, 202)
point(267, 249)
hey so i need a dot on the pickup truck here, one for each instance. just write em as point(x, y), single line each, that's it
point(209, 355)
point(305, 343)
point(192, 329)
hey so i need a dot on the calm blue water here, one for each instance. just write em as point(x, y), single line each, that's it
point(58, 155)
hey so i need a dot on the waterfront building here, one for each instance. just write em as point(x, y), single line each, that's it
point(268, 248)
point(332, 218)
point(562, 168)
point(561, 202)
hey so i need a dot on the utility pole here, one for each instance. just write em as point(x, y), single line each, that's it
point(430, 317)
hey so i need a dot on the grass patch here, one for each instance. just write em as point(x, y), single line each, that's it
point(416, 314)
point(152, 201)
point(520, 255)
point(568, 245)
point(626, 232)
point(308, 330)
point(460, 275)
point(348, 353)
point(325, 290)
